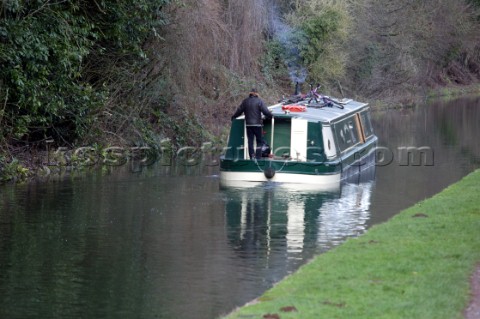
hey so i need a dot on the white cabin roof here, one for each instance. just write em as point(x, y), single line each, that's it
point(320, 114)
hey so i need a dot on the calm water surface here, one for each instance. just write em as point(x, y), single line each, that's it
point(167, 242)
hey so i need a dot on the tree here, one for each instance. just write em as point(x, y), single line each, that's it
point(326, 29)
point(400, 46)
point(50, 56)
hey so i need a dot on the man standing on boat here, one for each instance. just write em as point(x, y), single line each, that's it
point(253, 107)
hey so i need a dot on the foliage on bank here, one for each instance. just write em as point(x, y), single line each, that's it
point(58, 60)
point(417, 265)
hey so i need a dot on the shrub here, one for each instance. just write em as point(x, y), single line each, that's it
point(51, 81)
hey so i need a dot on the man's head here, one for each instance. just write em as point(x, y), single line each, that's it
point(253, 92)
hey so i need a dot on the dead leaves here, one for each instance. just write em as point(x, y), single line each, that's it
point(283, 309)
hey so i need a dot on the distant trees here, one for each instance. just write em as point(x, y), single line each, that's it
point(207, 34)
point(325, 24)
point(307, 41)
point(400, 47)
point(382, 48)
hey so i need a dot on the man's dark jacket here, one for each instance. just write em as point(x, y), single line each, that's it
point(252, 107)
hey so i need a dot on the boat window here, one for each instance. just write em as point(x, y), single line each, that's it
point(366, 124)
point(352, 129)
point(347, 133)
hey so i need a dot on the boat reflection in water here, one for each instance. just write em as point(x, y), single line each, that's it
point(281, 226)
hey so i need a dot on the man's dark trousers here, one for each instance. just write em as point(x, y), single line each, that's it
point(254, 131)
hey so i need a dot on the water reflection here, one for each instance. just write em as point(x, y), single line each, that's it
point(286, 225)
point(449, 128)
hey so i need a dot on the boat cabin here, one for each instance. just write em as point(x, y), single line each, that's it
point(303, 133)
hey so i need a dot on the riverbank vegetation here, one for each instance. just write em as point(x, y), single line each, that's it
point(417, 265)
point(123, 73)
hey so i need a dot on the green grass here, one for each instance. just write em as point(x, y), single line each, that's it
point(416, 265)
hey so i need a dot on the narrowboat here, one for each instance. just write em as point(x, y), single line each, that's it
point(316, 144)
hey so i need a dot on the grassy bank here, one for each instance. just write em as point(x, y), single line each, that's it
point(412, 99)
point(417, 265)
point(451, 92)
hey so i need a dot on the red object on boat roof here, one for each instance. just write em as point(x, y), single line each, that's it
point(294, 108)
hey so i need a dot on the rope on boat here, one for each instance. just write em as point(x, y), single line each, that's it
point(281, 168)
point(256, 163)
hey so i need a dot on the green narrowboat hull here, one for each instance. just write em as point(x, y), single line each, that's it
point(322, 174)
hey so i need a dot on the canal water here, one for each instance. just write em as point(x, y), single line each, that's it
point(168, 242)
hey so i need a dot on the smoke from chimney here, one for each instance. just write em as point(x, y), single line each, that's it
point(289, 39)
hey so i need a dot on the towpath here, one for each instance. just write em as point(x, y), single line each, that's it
point(473, 310)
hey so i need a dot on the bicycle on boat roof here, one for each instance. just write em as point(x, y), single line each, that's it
point(320, 100)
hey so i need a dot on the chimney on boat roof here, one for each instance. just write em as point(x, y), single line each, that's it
point(297, 88)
